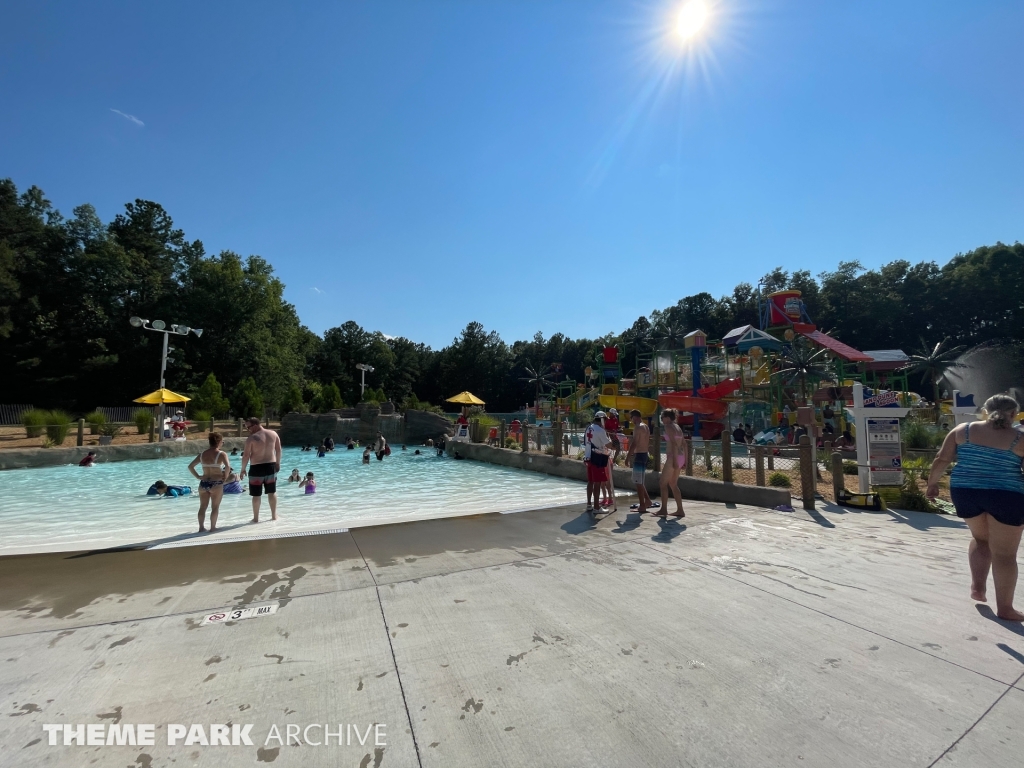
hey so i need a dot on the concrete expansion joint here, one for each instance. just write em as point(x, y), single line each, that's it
point(973, 725)
point(827, 615)
point(394, 659)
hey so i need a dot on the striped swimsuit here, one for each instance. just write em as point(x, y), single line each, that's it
point(979, 466)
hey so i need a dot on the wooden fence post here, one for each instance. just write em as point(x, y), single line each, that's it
point(759, 465)
point(81, 432)
point(689, 457)
point(726, 457)
point(807, 482)
point(838, 480)
point(239, 428)
point(152, 430)
point(526, 437)
point(501, 434)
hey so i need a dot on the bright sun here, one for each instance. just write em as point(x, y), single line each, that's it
point(691, 19)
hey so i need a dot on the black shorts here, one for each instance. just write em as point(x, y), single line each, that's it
point(1006, 507)
point(262, 476)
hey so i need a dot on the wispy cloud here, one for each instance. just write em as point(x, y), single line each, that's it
point(316, 290)
point(133, 118)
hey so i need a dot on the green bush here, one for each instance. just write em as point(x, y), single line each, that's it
point(246, 400)
point(738, 465)
point(912, 497)
point(95, 420)
point(328, 399)
point(209, 398)
point(202, 419)
point(34, 421)
point(849, 467)
point(511, 442)
point(110, 430)
point(292, 401)
point(58, 424)
point(920, 436)
point(143, 419)
point(779, 480)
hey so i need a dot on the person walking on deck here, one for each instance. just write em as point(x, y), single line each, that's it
point(987, 488)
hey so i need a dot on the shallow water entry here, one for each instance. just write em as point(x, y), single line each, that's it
point(74, 508)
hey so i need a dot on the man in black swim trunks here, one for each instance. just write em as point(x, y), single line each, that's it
point(263, 451)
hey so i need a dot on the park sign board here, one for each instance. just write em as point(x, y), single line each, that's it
point(885, 457)
point(882, 399)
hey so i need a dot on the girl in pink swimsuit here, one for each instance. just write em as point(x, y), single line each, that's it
point(676, 442)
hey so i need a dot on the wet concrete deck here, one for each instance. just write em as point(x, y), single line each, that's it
point(737, 637)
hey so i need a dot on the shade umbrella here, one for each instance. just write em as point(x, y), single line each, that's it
point(162, 396)
point(465, 398)
point(159, 397)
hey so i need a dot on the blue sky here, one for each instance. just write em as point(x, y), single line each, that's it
point(553, 166)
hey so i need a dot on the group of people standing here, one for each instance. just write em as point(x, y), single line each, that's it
point(601, 447)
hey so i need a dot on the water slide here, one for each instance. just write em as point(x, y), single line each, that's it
point(625, 403)
point(707, 403)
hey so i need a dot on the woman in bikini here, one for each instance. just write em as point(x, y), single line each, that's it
point(675, 441)
point(216, 466)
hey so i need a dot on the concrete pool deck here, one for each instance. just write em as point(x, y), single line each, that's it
point(736, 637)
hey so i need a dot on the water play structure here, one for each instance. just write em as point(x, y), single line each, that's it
point(759, 376)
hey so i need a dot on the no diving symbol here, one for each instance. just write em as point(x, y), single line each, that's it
point(238, 614)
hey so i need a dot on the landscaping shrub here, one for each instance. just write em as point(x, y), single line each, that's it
point(246, 400)
point(779, 480)
point(143, 420)
point(202, 419)
point(920, 436)
point(208, 398)
point(292, 402)
point(34, 421)
point(912, 497)
point(112, 430)
point(511, 442)
point(849, 467)
point(95, 420)
point(328, 399)
point(58, 424)
point(738, 465)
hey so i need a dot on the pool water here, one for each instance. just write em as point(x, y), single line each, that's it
point(72, 508)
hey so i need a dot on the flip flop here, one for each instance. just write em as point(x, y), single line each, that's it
point(658, 514)
point(678, 514)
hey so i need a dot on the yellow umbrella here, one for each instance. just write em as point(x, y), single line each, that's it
point(162, 396)
point(465, 398)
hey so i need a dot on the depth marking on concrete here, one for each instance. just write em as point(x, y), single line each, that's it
point(394, 659)
point(198, 542)
point(238, 614)
point(847, 622)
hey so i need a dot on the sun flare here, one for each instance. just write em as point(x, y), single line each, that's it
point(691, 19)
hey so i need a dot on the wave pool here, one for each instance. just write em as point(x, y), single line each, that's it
point(68, 507)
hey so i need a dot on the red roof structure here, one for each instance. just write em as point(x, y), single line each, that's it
point(845, 351)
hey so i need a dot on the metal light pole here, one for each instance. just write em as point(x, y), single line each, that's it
point(159, 326)
point(364, 368)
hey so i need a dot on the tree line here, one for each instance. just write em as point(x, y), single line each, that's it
point(69, 285)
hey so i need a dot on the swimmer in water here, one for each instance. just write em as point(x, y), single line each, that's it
point(295, 477)
point(366, 455)
point(308, 483)
point(216, 465)
point(160, 488)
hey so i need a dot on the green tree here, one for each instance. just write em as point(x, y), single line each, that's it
point(246, 400)
point(932, 364)
point(328, 399)
point(292, 401)
point(209, 398)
